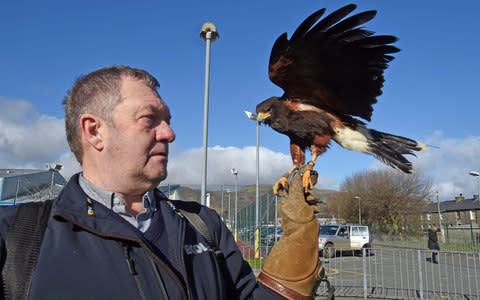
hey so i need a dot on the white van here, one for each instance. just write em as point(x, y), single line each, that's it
point(343, 237)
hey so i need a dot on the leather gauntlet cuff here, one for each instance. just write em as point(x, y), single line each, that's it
point(281, 289)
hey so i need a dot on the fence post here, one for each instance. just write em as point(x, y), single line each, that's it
point(420, 274)
point(471, 234)
point(364, 256)
point(447, 229)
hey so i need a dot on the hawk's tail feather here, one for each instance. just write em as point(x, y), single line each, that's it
point(391, 149)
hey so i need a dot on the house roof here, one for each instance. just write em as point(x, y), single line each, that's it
point(14, 172)
point(454, 205)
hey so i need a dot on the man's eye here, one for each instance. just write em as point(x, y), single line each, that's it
point(148, 119)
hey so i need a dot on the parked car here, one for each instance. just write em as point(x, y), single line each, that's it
point(343, 237)
point(271, 236)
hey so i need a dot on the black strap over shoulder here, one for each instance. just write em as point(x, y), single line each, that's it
point(23, 246)
point(188, 211)
point(198, 223)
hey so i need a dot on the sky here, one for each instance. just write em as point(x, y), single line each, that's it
point(430, 93)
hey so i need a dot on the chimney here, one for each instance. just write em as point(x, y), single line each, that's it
point(459, 198)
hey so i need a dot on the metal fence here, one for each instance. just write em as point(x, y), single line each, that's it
point(404, 271)
point(396, 273)
point(454, 238)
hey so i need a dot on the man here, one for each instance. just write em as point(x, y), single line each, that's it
point(111, 233)
point(433, 243)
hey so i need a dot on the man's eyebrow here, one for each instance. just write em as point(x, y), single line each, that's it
point(156, 110)
point(150, 107)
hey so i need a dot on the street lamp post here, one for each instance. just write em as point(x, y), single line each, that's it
point(53, 169)
point(235, 173)
point(257, 120)
point(476, 174)
point(229, 219)
point(221, 209)
point(440, 218)
point(208, 34)
point(276, 204)
point(359, 210)
point(439, 212)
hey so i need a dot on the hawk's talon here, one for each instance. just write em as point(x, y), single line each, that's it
point(307, 184)
point(282, 183)
point(309, 178)
point(308, 173)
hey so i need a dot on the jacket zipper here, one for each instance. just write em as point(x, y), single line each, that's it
point(131, 268)
point(159, 278)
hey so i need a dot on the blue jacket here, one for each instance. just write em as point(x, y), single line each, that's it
point(102, 256)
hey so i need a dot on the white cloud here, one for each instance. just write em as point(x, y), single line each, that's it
point(70, 164)
point(28, 139)
point(186, 167)
point(450, 163)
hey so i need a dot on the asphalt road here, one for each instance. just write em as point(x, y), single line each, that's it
point(403, 274)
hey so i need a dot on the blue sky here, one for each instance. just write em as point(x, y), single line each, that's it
point(430, 92)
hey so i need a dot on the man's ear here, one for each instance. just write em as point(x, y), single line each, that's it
point(91, 126)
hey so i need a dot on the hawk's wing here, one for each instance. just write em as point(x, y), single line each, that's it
point(334, 65)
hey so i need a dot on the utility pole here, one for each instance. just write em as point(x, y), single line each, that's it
point(359, 210)
point(439, 215)
point(235, 173)
point(440, 219)
point(208, 34)
point(257, 120)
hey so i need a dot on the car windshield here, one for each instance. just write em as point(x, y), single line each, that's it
point(328, 229)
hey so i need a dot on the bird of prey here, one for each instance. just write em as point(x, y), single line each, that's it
point(331, 71)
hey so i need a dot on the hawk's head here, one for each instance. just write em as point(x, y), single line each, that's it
point(266, 109)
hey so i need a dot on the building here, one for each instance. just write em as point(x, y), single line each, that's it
point(26, 185)
point(327, 218)
point(458, 212)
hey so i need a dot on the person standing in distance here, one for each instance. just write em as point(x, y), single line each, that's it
point(433, 243)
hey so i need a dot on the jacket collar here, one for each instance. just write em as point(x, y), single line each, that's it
point(75, 206)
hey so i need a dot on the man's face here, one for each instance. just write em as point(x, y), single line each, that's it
point(136, 146)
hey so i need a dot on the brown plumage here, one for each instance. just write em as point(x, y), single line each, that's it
point(331, 70)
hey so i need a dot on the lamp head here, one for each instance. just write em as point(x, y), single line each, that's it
point(251, 115)
point(213, 35)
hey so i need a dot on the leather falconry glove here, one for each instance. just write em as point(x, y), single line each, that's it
point(292, 269)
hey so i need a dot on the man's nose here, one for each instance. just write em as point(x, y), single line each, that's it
point(165, 133)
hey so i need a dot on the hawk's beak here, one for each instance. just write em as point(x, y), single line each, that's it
point(262, 116)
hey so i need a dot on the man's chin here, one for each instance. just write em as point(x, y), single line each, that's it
point(155, 179)
point(156, 172)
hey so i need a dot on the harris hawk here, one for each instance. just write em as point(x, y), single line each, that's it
point(331, 71)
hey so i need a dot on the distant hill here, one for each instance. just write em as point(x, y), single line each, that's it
point(246, 195)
